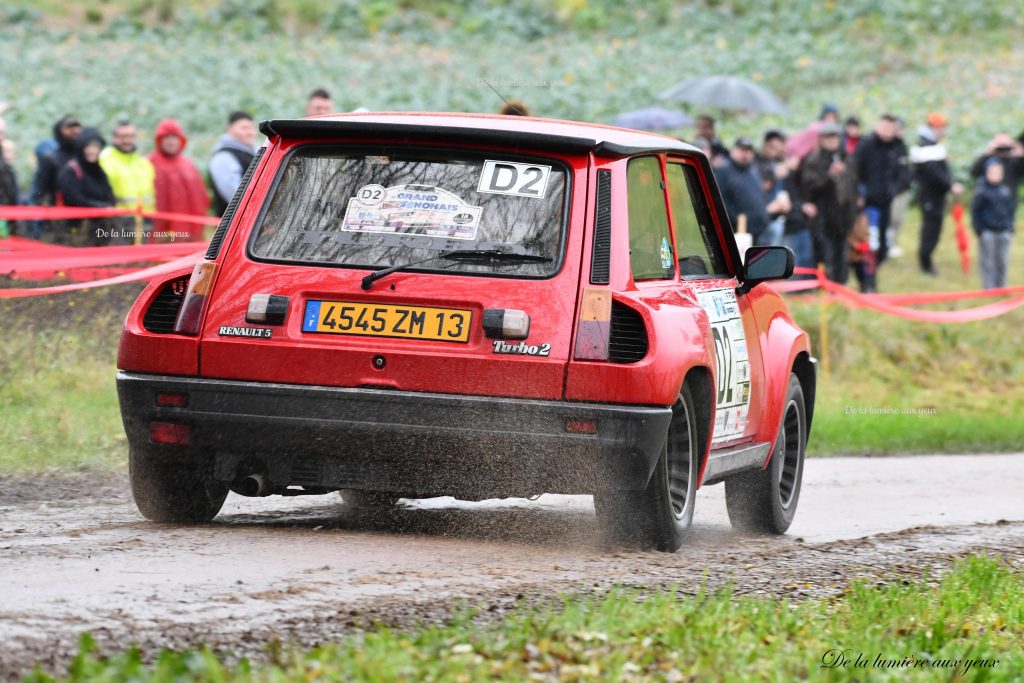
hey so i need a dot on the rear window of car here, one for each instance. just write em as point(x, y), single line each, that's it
point(381, 208)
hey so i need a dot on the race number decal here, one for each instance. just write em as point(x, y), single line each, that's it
point(521, 180)
point(732, 399)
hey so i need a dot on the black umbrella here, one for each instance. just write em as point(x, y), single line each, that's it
point(726, 92)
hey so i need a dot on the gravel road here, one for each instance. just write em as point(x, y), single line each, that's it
point(76, 556)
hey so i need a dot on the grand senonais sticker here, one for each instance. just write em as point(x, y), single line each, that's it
point(732, 398)
point(521, 180)
point(411, 209)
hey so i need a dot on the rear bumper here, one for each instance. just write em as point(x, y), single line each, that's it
point(408, 442)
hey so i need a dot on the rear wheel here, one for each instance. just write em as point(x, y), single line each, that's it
point(658, 516)
point(174, 491)
point(765, 500)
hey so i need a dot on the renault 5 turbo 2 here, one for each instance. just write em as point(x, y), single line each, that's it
point(413, 305)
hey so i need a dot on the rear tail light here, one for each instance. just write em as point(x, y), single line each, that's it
point(595, 325)
point(506, 323)
point(269, 309)
point(581, 426)
point(169, 432)
point(172, 400)
point(191, 313)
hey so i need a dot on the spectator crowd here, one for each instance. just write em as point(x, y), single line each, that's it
point(838, 197)
point(77, 168)
point(832, 193)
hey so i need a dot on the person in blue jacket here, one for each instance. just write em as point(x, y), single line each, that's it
point(992, 211)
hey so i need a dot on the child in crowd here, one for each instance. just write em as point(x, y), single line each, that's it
point(862, 256)
point(992, 213)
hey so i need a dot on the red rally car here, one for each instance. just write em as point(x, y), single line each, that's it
point(412, 305)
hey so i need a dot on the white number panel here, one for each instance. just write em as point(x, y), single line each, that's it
point(732, 400)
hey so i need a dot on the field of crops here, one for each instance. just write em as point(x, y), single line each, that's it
point(581, 59)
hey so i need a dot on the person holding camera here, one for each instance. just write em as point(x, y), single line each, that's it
point(1010, 154)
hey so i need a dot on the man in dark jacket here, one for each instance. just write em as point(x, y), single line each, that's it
point(44, 184)
point(231, 157)
point(82, 182)
point(742, 192)
point(706, 129)
point(934, 181)
point(881, 167)
point(829, 181)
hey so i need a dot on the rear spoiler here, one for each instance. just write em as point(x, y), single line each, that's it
point(336, 130)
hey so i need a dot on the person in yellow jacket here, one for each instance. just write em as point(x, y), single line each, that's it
point(131, 176)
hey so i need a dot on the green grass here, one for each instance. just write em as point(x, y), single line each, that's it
point(976, 612)
point(57, 394)
point(899, 386)
point(63, 419)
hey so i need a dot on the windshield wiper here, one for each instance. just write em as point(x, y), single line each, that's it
point(468, 255)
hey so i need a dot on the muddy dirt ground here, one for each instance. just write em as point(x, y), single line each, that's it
point(76, 556)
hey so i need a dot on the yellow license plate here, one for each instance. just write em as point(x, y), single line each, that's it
point(387, 320)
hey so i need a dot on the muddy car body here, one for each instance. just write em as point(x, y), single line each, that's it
point(434, 304)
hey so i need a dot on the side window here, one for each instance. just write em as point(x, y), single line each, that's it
point(650, 244)
point(699, 250)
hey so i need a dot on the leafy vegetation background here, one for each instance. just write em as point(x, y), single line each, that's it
point(197, 60)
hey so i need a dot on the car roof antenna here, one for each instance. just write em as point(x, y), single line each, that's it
point(514, 107)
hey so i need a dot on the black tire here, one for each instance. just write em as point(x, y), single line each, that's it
point(765, 501)
point(355, 499)
point(658, 516)
point(181, 492)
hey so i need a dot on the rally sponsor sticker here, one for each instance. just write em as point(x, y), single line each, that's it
point(520, 180)
point(732, 400)
point(411, 209)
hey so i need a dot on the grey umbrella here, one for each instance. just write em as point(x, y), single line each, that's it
point(726, 92)
point(652, 118)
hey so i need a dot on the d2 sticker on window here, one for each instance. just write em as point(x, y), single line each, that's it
point(732, 398)
point(411, 209)
point(507, 177)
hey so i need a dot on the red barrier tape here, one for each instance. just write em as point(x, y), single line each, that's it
point(890, 304)
point(144, 274)
point(19, 264)
point(62, 213)
point(18, 255)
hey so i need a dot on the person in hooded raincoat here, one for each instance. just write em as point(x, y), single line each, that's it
point(179, 185)
point(55, 153)
point(83, 182)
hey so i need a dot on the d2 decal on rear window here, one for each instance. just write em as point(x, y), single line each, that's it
point(521, 180)
point(411, 209)
point(732, 399)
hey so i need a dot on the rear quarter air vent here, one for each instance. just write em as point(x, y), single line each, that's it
point(163, 311)
point(628, 343)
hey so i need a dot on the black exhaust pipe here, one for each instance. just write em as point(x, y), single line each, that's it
point(253, 485)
